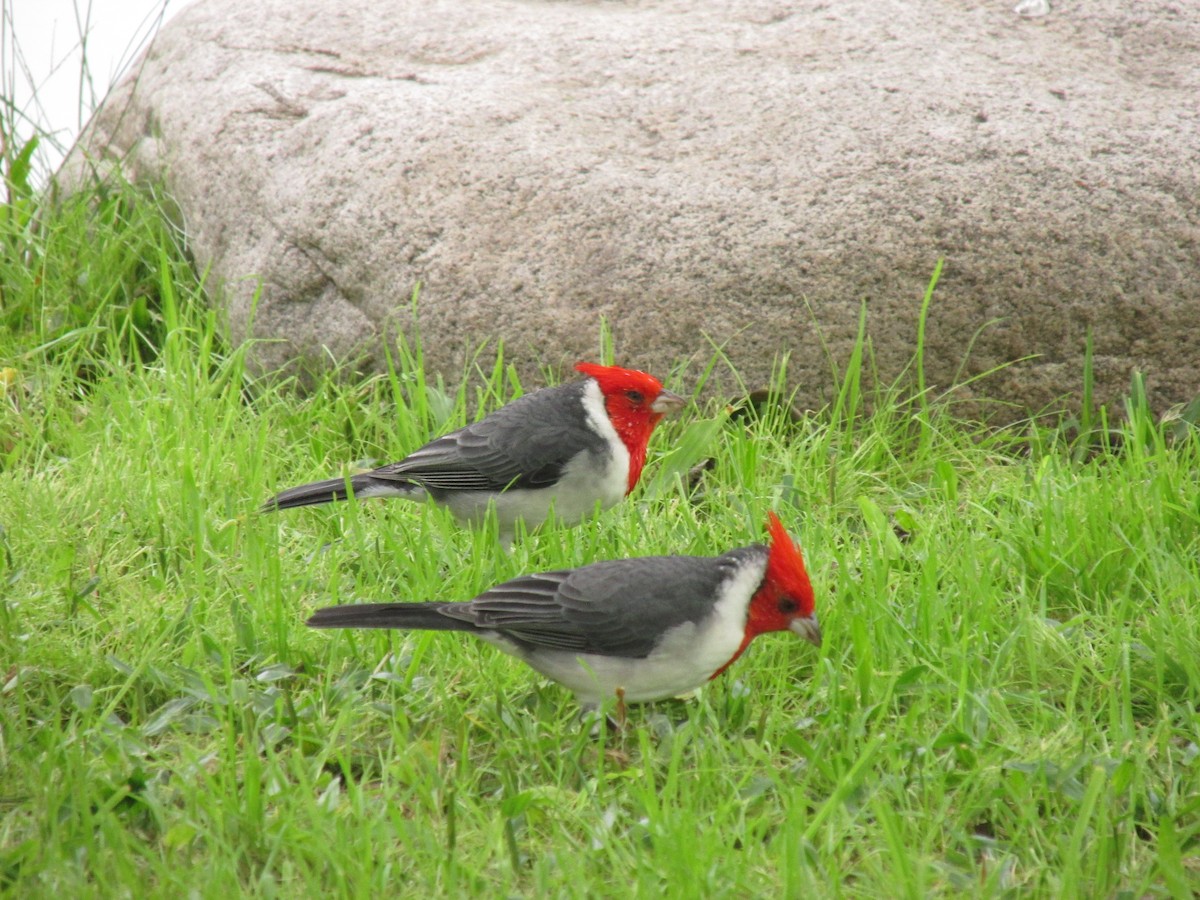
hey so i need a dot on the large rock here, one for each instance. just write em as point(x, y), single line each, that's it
point(744, 172)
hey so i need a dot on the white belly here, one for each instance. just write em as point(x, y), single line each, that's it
point(573, 498)
point(659, 676)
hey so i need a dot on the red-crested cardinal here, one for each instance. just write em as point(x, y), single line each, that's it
point(640, 629)
point(566, 448)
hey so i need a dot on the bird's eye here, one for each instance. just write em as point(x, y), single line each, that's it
point(635, 397)
point(787, 605)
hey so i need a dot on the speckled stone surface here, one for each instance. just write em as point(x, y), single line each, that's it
point(741, 172)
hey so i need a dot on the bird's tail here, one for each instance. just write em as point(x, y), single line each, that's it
point(326, 491)
point(428, 616)
point(331, 489)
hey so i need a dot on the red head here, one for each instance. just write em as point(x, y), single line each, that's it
point(635, 403)
point(784, 599)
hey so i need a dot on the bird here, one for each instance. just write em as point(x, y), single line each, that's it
point(566, 448)
point(640, 629)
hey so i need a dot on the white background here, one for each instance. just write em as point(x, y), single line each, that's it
point(41, 56)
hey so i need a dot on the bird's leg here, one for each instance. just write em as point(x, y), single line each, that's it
point(617, 725)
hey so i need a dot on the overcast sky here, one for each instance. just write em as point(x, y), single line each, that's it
point(40, 57)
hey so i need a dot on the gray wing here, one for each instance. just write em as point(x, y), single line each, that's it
point(615, 608)
point(525, 444)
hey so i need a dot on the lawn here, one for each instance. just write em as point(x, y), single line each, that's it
point(1005, 702)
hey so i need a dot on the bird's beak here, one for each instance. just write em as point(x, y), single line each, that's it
point(667, 402)
point(807, 629)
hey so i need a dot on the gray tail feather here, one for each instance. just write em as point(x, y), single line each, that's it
point(326, 491)
point(427, 616)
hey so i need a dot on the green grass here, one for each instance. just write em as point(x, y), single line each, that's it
point(1006, 702)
